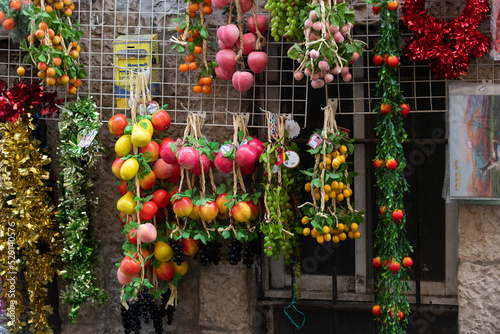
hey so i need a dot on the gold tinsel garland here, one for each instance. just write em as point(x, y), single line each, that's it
point(27, 219)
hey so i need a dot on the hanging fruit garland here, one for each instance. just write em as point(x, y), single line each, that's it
point(241, 156)
point(328, 48)
point(447, 45)
point(147, 273)
point(79, 151)
point(52, 45)
point(234, 44)
point(281, 225)
point(391, 264)
point(330, 215)
point(30, 245)
point(193, 42)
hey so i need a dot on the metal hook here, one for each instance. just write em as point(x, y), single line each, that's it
point(61, 107)
point(264, 110)
point(98, 24)
point(126, 69)
point(184, 107)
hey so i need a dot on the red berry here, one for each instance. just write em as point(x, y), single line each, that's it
point(394, 267)
point(397, 215)
point(378, 60)
point(405, 109)
point(407, 262)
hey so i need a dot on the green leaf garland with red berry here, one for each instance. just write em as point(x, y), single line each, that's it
point(392, 264)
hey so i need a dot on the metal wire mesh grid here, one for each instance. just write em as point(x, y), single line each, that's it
point(102, 21)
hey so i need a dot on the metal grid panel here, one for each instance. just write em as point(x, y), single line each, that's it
point(102, 21)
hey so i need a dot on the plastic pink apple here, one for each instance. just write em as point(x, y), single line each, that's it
point(224, 74)
point(257, 145)
point(261, 23)
point(257, 61)
point(206, 166)
point(188, 157)
point(242, 81)
point(246, 156)
point(223, 164)
point(248, 170)
point(220, 4)
point(226, 59)
point(228, 34)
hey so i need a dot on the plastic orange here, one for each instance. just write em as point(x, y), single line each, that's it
point(15, 5)
point(194, 7)
point(183, 67)
point(207, 89)
point(207, 10)
point(8, 24)
point(190, 58)
point(193, 66)
point(198, 50)
point(2, 16)
point(192, 14)
point(207, 81)
point(197, 89)
point(190, 39)
point(207, 2)
point(179, 30)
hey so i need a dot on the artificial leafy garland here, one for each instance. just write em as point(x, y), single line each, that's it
point(392, 307)
point(79, 152)
point(29, 243)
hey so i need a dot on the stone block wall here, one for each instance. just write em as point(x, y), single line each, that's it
point(479, 269)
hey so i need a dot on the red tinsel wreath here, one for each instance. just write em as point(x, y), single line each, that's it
point(20, 97)
point(447, 45)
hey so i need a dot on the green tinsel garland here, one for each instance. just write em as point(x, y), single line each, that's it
point(77, 203)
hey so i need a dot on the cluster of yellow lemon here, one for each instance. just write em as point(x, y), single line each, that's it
point(333, 160)
point(330, 233)
point(337, 190)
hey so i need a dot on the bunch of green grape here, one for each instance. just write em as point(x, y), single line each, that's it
point(285, 20)
point(276, 241)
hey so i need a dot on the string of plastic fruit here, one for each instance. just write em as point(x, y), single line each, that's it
point(42, 57)
point(330, 223)
point(236, 198)
point(30, 245)
point(192, 42)
point(193, 203)
point(279, 228)
point(131, 273)
point(319, 56)
point(392, 307)
point(79, 150)
point(132, 293)
point(234, 44)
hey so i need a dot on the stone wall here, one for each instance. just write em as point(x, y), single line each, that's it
point(479, 269)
